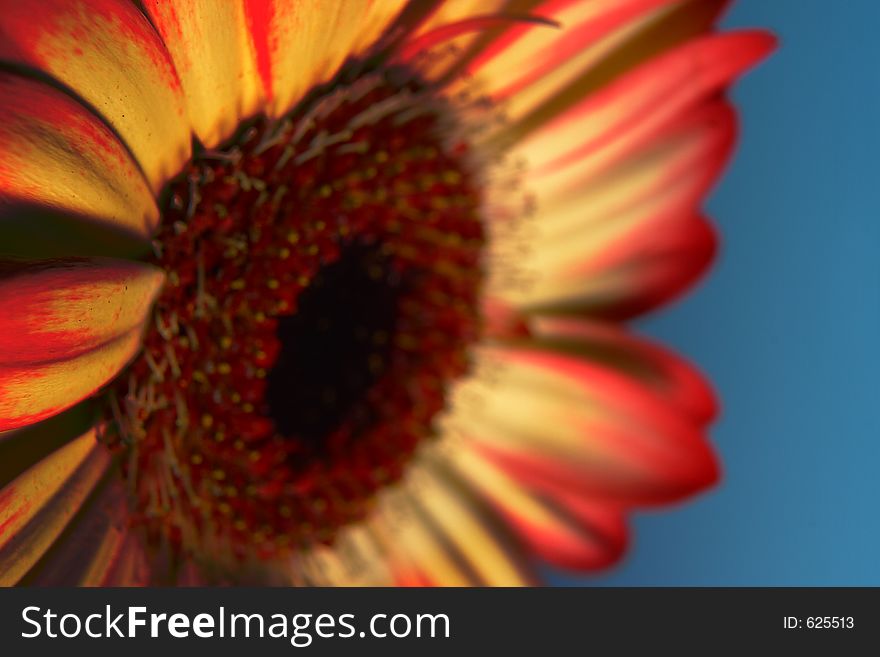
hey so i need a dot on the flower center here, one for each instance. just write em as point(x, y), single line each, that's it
point(323, 289)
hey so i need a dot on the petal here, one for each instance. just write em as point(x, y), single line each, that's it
point(65, 308)
point(36, 506)
point(447, 13)
point(665, 373)
point(638, 275)
point(696, 147)
point(466, 527)
point(420, 553)
point(302, 44)
point(131, 565)
point(106, 52)
point(356, 558)
point(212, 51)
point(435, 16)
point(56, 154)
point(443, 34)
point(545, 416)
point(546, 525)
point(545, 60)
point(598, 241)
point(33, 392)
point(91, 546)
point(644, 101)
point(599, 70)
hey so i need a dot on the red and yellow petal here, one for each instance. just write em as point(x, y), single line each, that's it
point(630, 40)
point(667, 374)
point(108, 54)
point(638, 275)
point(214, 56)
point(622, 239)
point(590, 537)
point(302, 44)
point(35, 391)
point(37, 506)
point(73, 326)
point(526, 65)
point(568, 422)
point(462, 23)
point(61, 309)
point(56, 154)
point(637, 106)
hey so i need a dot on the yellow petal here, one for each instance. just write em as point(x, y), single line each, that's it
point(451, 12)
point(37, 506)
point(468, 528)
point(354, 559)
point(418, 552)
point(56, 154)
point(214, 56)
point(106, 52)
point(301, 44)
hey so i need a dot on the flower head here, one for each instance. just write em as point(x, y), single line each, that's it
point(334, 292)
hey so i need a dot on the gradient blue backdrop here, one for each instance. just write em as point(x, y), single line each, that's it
point(788, 324)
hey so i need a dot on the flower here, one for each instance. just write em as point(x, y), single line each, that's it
point(334, 292)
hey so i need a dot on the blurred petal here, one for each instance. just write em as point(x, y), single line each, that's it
point(447, 13)
point(623, 241)
point(36, 507)
point(637, 274)
point(62, 309)
point(106, 52)
point(534, 62)
point(636, 106)
point(467, 26)
point(33, 392)
point(453, 512)
point(130, 567)
point(57, 154)
point(356, 558)
point(91, 545)
point(420, 554)
point(420, 19)
point(212, 51)
point(548, 528)
point(545, 416)
point(664, 372)
point(694, 147)
point(302, 44)
point(628, 46)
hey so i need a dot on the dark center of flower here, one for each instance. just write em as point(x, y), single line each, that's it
point(323, 282)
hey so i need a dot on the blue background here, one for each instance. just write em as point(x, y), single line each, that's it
point(787, 325)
